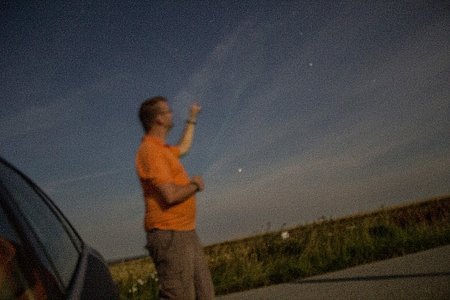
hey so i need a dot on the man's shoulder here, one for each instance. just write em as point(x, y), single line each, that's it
point(155, 145)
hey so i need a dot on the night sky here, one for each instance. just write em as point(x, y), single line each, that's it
point(310, 108)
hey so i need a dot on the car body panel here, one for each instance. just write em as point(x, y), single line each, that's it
point(87, 277)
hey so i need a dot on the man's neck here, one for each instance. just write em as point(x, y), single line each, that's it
point(158, 131)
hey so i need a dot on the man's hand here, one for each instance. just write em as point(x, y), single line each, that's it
point(194, 111)
point(198, 180)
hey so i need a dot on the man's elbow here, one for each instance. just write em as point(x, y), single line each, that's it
point(167, 193)
point(183, 150)
point(167, 199)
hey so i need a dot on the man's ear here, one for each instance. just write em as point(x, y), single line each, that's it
point(157, 119)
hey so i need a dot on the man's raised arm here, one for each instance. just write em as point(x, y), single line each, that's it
point(187, 137)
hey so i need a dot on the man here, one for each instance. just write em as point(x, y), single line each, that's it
point(169, 195)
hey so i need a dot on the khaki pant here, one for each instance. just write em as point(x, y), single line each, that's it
point(181, 265)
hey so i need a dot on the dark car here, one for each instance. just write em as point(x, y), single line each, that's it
point(41, 254)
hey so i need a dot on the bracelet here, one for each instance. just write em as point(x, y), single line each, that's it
point(191, 122)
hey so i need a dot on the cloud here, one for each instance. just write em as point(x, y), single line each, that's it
point(51, 186)
point(31, 120)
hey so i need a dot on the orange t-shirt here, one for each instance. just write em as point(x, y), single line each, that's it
point(158, 163)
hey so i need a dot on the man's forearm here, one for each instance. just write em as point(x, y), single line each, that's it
point(187, 137)
point(188, 133)
point(174, 194)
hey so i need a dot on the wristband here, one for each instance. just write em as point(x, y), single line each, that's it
point(191, 122)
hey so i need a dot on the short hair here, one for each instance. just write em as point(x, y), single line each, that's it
point(149, 111)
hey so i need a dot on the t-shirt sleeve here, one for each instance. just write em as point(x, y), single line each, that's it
point(175, 150)
point(154, 167)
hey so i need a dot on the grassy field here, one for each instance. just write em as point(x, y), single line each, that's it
point(319, 247)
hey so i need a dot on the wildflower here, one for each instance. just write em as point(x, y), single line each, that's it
point(140, 281)
point(154, 276)
point(285, 235)
point(133, 289)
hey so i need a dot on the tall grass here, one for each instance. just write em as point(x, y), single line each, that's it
point(323, 246)
point(136, 278)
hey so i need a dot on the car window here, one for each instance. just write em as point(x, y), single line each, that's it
point(19, 276)
point(61, 247)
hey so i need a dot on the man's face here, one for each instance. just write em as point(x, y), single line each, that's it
point(165, 115)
